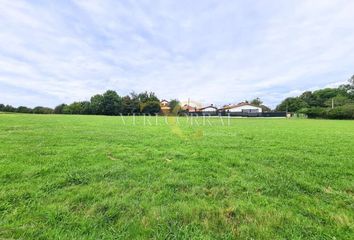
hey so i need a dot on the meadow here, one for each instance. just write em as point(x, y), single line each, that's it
point(101, 177)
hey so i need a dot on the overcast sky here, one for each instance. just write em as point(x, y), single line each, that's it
point(211, 51)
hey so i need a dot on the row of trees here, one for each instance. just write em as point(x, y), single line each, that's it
point(108, 103)
point(23, 109)
point(323, 103)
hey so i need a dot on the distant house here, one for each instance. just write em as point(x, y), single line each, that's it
point(242, 107)
point(210, 108)
point(164, 105)
point(188, 108)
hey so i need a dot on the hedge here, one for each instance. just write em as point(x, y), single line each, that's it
point(341, 112)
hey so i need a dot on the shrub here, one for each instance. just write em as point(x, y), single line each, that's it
point(59, 109)
point(150, 107)
point(341, 112)
point(315, 112)
point(43, 110)
point(9, 108)
point(23, 109)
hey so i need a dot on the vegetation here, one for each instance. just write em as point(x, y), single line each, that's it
point(175, 106)
point(256, 101)
point(335, 103)
point(42, 110)
point(108, 103)
point(341, 112)
point(101, 177)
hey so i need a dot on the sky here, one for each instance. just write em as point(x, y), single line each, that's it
point(210, 51)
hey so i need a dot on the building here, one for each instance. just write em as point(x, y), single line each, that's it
point(211, 109)
point(188, 108)
point(242, 107)
point(165, 106)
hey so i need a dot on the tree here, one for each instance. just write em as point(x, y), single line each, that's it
point(111, 103)
point(23, 109)
point(338, 101)
point(147, 101)
point(350, 87)
point(319, 103)
point(147, 97)
point(97, 104)
point(9, 108)
point(341, 112)
point(130, 105)
point(256, 102)
point(309, 98)
point(175, 106)
point(59, 109)
point(135, 102)
point(351, 80)
point(2, 107)
point(43, 110)
point(67, 109)
point(85, 107)
point(322, 95)
point(292, 104)
point(74, 108)
point(151, 107)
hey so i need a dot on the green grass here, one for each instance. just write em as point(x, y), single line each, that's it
point(93, 177)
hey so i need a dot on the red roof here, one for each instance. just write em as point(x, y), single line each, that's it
point(189, 108)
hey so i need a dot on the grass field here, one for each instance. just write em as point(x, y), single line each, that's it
point(96, 177)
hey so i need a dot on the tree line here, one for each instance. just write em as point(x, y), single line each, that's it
point(333, 103)
point(108, 103)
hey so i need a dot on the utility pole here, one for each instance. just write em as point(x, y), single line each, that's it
point(332, 103)
point(286, 114)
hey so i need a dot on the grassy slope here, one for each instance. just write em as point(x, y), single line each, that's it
point(90, 177)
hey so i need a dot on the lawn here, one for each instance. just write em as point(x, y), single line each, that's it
point(100, 177)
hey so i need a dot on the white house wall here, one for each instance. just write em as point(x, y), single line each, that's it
point(209, 110)
point(239, 109)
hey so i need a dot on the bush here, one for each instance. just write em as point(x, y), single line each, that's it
point(108, 103)
point(9, 108)
point(315, 112)
point(43, 110)
point(150, 107)
point(23, 109)
point(59, 109)
point(342, 112)
point(74, 108)
point(292, 104)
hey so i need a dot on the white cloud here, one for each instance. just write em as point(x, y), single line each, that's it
point(213, 51)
